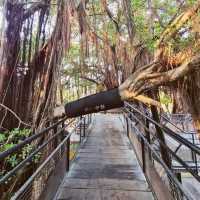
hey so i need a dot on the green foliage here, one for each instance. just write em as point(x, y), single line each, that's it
point(191, 2)
point(2, 138)
point(26, 151)
point(162, 12)
point(138, 4)
point(73, 51)
point(12, 138)
point(20, 133)
point(6, 146)
point(13, 160)
point(165, 99)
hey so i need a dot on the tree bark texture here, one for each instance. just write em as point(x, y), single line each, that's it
point(94, 103)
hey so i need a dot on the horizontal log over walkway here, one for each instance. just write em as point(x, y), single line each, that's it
point(106, 167)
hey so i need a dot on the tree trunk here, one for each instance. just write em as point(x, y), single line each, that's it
point(9, 58)
point(94, 103)
point(191, 98)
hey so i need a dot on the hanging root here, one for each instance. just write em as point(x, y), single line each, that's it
point(130, 96)
point(139, 82)
point(15, 115)
point(147, 79)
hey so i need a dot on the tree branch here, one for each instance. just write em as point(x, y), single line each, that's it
point(178, 22)
point(110, 15)
point(146, 80)
point(33, 8)
point(18, 118)
point(90, 79)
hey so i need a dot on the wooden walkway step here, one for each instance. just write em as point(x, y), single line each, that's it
point(106, 167)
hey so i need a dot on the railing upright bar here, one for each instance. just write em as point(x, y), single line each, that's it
point(63, 132)
point(81, 118)
point(127, 127)
point(143, 156)
point(55, 129)
point(68, 153)
point(84, 126)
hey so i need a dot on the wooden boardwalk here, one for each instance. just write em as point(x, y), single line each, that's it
point(106, 167)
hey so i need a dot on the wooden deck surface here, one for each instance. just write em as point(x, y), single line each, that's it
point(106, 167)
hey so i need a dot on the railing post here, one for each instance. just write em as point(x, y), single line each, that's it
point(63, 132)
point(143, 155)
point(127, 127)
point(68, 154)
point(147, 134)
point(62, 136)
point(178, 176)
point(159, 133)
point(194, 156)
point(90, 118)
point(55, 143)
point(80, 129)
point(84, 127)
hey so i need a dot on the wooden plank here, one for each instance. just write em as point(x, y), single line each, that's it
point(102, 194)
point(106, 167)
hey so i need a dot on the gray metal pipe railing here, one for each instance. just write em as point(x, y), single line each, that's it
point(30, 157)
point(184, 164)
point(28, 140)
point(39, 169)
point(168, 171)
point(64, 139)
point(130, 113)
point(167, 130)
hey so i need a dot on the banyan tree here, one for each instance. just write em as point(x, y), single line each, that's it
point(129, 50)
point(36, 36)
point(173, 64)
point(33, 41)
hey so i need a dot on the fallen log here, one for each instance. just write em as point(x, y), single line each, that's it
point(91, 104)
point(139, 82)
point(100, 102)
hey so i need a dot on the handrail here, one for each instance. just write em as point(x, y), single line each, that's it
point(196, 176)
point(23, 188)
point(29, 158)
point(136, 115)
point(185, 192)
point(180, 129)
point(58, 150)
point(19, 146)
point(167, 130)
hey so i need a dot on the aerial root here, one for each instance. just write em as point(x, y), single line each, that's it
point(15, 115)
point(130, 96)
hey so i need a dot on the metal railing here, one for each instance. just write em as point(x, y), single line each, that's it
point(54, 149)
point(150, 150)
point(183, 125)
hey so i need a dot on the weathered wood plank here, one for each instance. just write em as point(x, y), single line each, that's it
point(102, 194)
point(106, 167)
